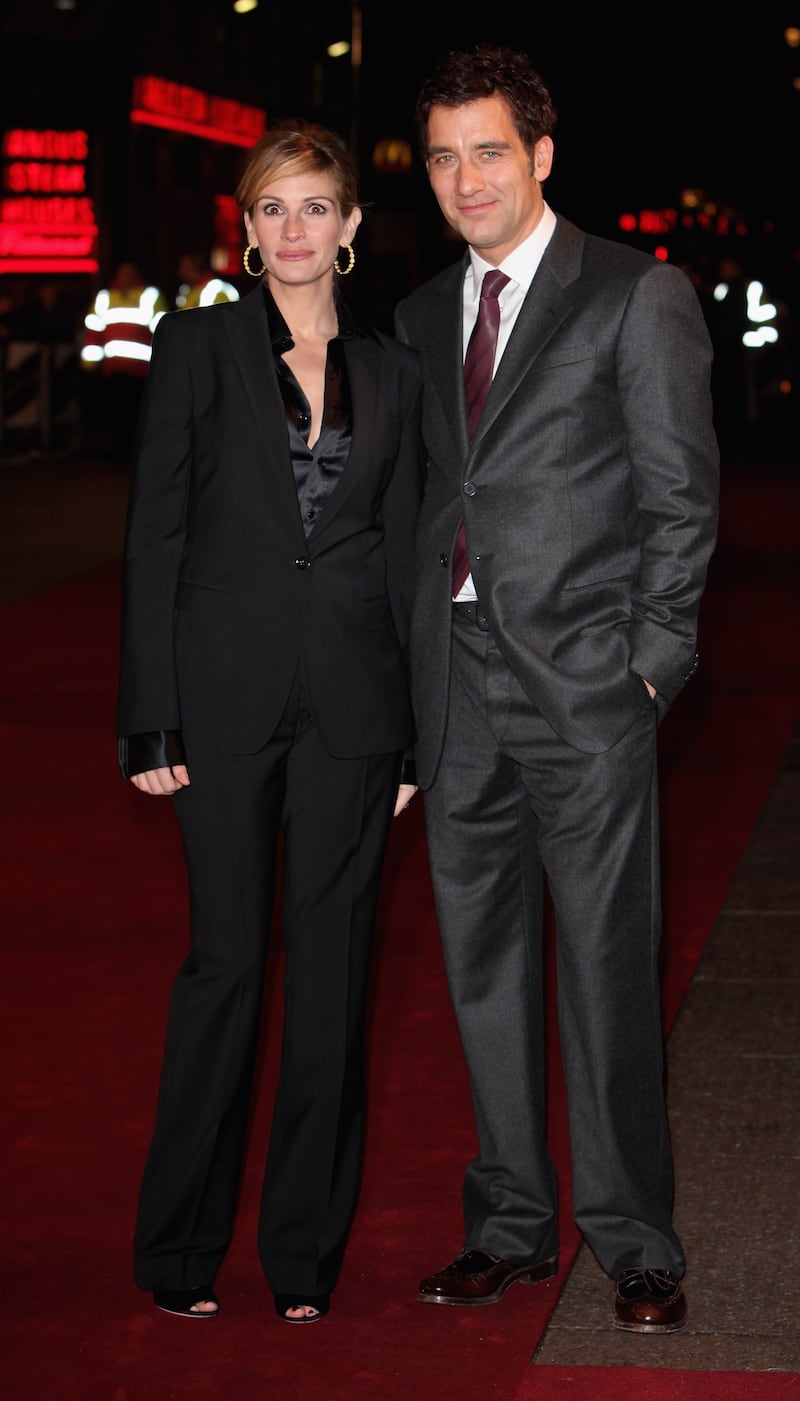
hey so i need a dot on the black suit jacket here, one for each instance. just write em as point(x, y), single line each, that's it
point(589, 492)
point(222, 592)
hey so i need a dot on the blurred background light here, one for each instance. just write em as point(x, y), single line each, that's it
point(391, 155)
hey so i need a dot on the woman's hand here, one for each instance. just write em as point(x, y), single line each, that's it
point(405, 793)
point(162, 783)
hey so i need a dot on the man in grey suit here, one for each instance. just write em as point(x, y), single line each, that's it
point(587, 492)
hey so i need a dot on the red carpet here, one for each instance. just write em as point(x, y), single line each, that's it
point(94, 925)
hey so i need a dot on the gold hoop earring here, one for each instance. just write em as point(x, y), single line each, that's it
point(251, 248)
point(344, 272)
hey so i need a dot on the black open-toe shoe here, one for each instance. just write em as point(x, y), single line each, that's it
point(181, 1301)
point(284, 1302)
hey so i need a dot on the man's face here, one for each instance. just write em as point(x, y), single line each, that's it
point(487, 183)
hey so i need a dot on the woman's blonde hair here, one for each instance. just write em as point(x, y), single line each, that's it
point(292, 148)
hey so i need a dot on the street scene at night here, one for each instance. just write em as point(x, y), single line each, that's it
point(139, 496)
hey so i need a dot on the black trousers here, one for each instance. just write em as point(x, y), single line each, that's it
point(511, 804)
point(335, 814)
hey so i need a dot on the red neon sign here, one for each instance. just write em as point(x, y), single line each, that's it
point(43, 178)
point(47, 221)
point(176, 107)
point(46, 145)
point(78, 213)
point(49, 265)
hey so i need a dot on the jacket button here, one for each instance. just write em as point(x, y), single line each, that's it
point(470, 489)
point(444, 560)
point(303, 562)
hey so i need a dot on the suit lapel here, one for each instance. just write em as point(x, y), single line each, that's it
point(252, 352)
point(547, 305)
point(442, 312)
point(251, 348)
point(366, 398)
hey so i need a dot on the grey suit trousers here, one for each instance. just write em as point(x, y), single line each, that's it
point(512, 805)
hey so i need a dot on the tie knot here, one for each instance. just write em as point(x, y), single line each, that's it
point(493, 284)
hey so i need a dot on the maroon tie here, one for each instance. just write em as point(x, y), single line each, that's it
point(478, 367)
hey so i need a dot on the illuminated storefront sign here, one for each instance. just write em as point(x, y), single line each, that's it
point(47, 218)
point(176, 107)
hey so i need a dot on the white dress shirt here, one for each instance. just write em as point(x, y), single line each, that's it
point(520, 266)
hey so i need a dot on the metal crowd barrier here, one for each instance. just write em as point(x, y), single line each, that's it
point(40, 402)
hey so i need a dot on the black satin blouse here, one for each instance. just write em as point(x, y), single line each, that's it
point(316, 469)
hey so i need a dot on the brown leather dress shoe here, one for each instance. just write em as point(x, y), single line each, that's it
point(649, 1301)
point(477, 1278)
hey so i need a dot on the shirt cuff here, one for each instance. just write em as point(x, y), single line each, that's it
point(156, 749)
point(408, 770)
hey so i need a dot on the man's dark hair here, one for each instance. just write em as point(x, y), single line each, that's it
point(488, 71)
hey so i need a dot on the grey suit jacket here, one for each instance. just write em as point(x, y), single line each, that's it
point(589, 493)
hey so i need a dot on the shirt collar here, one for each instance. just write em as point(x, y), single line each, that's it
point(522, 262)
point(350, 328)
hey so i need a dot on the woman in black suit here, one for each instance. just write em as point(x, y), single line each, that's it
point(263, 685)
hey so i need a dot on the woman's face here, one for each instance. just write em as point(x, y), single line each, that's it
point(298, 226)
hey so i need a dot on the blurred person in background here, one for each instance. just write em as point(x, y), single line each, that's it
point(51, 315)
point(200, 285)
point(12, 315)
point(730, 380)
point(751, 329)
point(117, 345)
point(268, 576)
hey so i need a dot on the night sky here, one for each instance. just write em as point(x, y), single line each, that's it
point(645, 108)
point(648, 102)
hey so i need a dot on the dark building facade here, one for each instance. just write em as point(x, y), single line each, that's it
point(656, 148)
